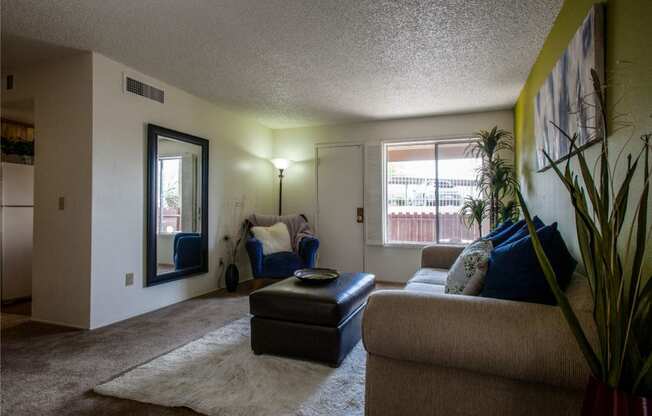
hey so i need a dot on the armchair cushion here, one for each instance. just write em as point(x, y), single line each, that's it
point(281, 264)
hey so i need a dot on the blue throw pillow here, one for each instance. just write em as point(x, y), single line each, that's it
point(506, 233)
point(522, 232)
point(502, 227)
point(515, 274)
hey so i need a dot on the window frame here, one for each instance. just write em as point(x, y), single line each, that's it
point(452, 139)
point(160, 161)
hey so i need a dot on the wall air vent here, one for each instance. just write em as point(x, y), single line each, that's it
point(140, 88)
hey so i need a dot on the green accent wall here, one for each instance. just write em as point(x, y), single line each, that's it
point(628, 52)
point(628, 59)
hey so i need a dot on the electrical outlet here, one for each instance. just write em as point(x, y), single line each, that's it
point(129, 279)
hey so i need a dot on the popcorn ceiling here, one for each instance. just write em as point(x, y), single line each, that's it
point(299, 62)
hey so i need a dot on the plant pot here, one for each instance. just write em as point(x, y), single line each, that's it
point(603, 400)
point(232, 277)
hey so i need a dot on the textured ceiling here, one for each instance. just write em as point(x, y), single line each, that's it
point(298, 62)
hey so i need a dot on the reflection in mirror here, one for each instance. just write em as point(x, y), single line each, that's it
point(178, 215)
point(177, 205)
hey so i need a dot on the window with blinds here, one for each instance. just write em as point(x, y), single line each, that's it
point(425, 185)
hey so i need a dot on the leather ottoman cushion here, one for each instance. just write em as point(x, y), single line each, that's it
point(325, 304)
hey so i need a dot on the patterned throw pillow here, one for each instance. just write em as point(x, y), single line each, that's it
point(469, 269)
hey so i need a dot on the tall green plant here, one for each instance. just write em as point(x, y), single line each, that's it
point(614, 255)
point(509, 211)
point(474, 211)
point(495, 177)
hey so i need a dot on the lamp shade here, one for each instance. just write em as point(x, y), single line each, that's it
point(281, 164)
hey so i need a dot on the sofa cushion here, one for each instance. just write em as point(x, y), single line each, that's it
point(514, 270)
point(470, 265)
point(429, 275)
point(424, 288)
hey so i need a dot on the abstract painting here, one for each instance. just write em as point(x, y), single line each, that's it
point(566, 97)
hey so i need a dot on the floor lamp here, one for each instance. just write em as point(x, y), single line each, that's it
point(281, 165)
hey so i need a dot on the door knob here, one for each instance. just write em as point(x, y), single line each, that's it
point(360, 215)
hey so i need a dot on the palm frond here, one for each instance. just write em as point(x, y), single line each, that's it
point(613, 251)
point(473, 212)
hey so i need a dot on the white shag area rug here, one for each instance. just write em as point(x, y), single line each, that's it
point(219, 375)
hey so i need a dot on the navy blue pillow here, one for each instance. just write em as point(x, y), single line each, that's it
point(522, 232)
point(506, 233)
point(514, 272)
point(502, 227)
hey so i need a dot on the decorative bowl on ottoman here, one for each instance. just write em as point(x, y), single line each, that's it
point(321, 323)
point(316, 275)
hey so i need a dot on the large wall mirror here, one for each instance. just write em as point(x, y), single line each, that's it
point(177, 205)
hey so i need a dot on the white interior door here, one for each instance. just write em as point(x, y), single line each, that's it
point(340, 193)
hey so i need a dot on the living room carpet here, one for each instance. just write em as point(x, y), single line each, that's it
point(218, 374)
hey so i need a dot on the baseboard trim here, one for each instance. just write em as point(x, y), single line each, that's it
point(13, 301)
point(49, 322)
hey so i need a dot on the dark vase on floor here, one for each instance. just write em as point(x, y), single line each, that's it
point(602, 400)
point(232, 277)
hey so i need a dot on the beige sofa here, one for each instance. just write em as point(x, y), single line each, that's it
point(430, 353)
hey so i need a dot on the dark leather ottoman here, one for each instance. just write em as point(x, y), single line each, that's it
point(316, 322)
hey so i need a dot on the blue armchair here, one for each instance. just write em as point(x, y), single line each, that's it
point(283, 264)
point(187, 250)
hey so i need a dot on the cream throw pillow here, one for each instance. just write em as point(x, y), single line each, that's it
point(466, 276)
point(275, 238)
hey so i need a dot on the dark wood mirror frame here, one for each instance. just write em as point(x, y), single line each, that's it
point(153, 133)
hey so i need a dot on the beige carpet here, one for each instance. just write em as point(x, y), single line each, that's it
point(219, 375)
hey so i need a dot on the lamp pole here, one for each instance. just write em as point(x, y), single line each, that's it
point(280, 191)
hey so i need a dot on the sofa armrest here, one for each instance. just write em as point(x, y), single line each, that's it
point(516, 340)
point(440, 256)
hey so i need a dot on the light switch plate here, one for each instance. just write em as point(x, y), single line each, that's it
point(129, 279)
point(62, 203)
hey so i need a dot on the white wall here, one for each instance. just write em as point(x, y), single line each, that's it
point(239, 169)
point(62, 93)
point(388, 263)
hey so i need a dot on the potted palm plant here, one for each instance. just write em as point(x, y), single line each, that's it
point(474, 211)
point(613, 234)
point(495, 178)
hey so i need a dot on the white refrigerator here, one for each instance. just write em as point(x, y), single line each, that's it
point(17, 230)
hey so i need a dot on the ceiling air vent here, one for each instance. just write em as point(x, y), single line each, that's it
point(140, 88)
